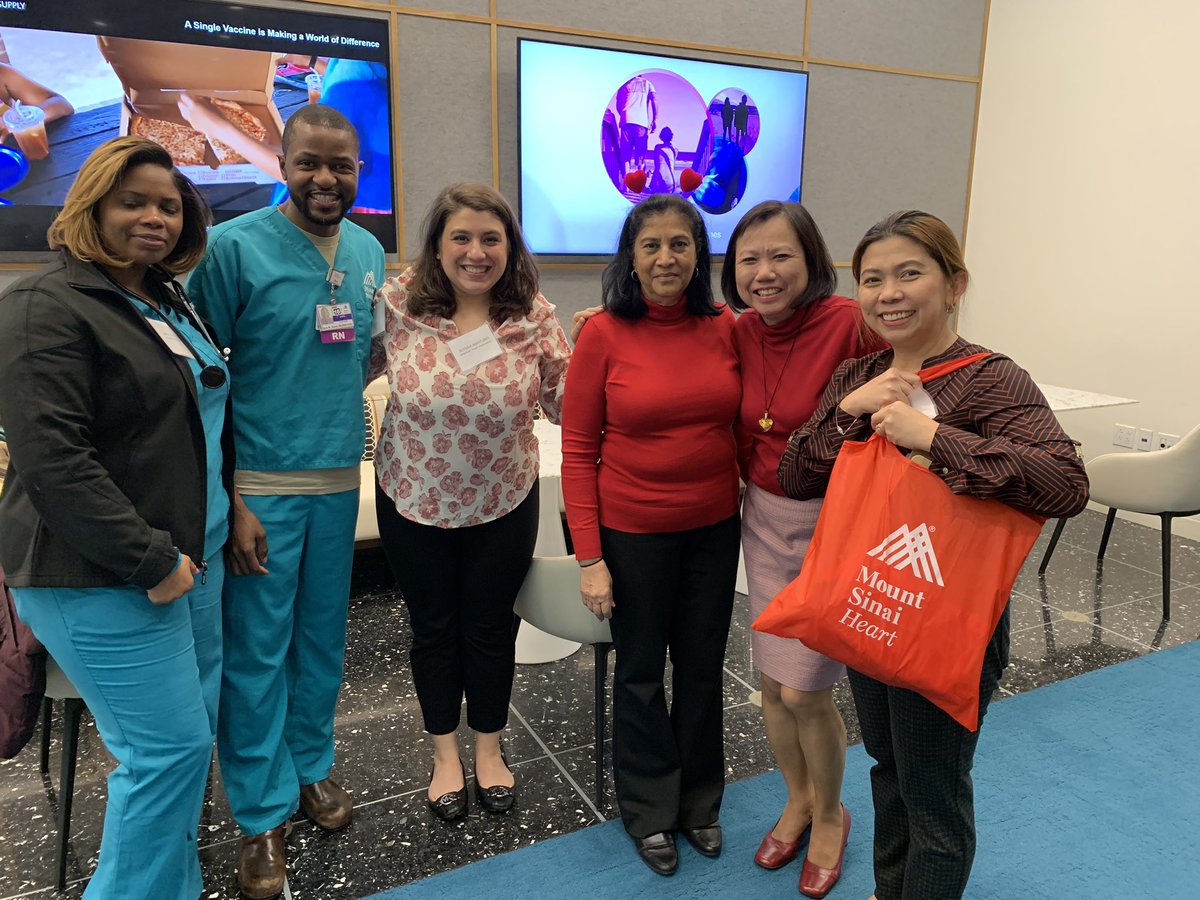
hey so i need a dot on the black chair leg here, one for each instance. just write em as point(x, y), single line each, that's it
point(72, 712)
point(47, 712)
point(1058, 530)
point(1166, 565)
point(1108, 524)
point(601, 651)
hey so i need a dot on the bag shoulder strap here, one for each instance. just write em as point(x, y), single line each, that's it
point(942, 369)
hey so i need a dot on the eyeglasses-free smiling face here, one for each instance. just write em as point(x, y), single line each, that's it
point(473, 251)
point(142, 217)
point(664, 257)
point(771, 272)
point(321, 170)
point(905, 297)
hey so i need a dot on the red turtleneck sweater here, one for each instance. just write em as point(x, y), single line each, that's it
point(824, 334)
point(648, 415)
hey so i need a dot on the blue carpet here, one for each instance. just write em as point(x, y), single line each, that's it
point(1088, 788)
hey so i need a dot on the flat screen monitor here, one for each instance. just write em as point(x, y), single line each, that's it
point(601, 129)
point(212, 82)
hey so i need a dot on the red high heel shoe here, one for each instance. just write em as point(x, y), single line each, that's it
point(816, 881)
point(774, 853)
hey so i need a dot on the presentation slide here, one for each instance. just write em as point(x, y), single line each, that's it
point(213, 83)
point(601, 129)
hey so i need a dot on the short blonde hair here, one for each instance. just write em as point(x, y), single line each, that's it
point(77, 226)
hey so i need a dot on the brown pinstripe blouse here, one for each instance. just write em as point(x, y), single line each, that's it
point(996, 438)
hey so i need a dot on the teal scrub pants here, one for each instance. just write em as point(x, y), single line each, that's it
point(285, 643)
point(150, 676)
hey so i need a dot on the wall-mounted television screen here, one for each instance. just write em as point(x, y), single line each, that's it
point(212, 82)
point(601, 129)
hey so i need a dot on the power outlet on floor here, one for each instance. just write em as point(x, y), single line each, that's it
point(1124, 436)
point(1145, 439)
point(1162, 440)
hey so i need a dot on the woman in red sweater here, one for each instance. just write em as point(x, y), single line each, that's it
point(792, 336)
point(651, 486)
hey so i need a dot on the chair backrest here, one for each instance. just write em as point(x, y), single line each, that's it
point(1184, 461)
point(1161, 482)
point(58, 685)
point(549, 600)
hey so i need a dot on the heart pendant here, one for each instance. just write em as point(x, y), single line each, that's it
point(766, 423)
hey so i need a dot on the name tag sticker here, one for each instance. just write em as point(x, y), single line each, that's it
point(170, 338)
point(475, 347)
point(923, 403)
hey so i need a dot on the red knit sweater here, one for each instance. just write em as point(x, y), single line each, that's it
point(647, 422)
point(825, 333)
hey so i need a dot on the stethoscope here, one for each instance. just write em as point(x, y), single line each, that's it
point(211, 376)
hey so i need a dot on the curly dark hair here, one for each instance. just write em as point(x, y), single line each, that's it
point(430, 290)
point(622, 294)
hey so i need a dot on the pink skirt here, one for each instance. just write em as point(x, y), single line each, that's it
point(775, 535)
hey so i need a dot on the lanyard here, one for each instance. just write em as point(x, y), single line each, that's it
point(211, 376)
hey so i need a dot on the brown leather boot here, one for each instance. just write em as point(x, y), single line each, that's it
point(262, 864)
point(327, 804)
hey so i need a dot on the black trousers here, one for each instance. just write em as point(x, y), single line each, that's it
point(460, 585)
point(672, 591)
point(921, 783)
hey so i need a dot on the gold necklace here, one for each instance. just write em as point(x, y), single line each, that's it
point(766, 423)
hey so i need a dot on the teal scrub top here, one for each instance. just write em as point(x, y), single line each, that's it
point(297, 403)
point(212, 418)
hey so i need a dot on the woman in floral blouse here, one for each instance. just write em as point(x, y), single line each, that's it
point(470, 349)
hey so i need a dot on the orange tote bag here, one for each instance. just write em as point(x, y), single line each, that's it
point(904, 580)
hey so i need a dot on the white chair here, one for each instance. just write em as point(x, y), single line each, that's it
point(1164, 484)
point(533, 644)
point(549, 601)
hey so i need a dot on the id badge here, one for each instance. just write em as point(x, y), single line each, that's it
point(335, 323)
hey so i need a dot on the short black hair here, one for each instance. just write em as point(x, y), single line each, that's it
point(622, 293)
point(318, 115)
point(822, 276)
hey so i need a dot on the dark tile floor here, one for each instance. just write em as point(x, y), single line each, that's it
point(1077, 619)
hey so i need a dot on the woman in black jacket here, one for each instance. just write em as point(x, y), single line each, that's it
point(114, 511)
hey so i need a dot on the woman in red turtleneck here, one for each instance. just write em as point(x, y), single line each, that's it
point(791, 337)
point(651, 486)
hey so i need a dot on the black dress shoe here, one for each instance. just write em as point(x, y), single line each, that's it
point(658, 852)
point(452, 804)
point(498, 798)
point(706, 839)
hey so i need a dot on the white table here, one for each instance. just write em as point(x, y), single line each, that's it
point(1062, 399)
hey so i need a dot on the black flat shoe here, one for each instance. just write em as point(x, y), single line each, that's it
point(706, 839)
point(500, 797)
point(451, 805)
point(495, 799)
point(658, 852)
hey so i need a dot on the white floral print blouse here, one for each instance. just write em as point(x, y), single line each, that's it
point(457, 448)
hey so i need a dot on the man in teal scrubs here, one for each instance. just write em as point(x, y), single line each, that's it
point(289, 290)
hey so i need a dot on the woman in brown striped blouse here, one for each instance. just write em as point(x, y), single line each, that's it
point(992, 436)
